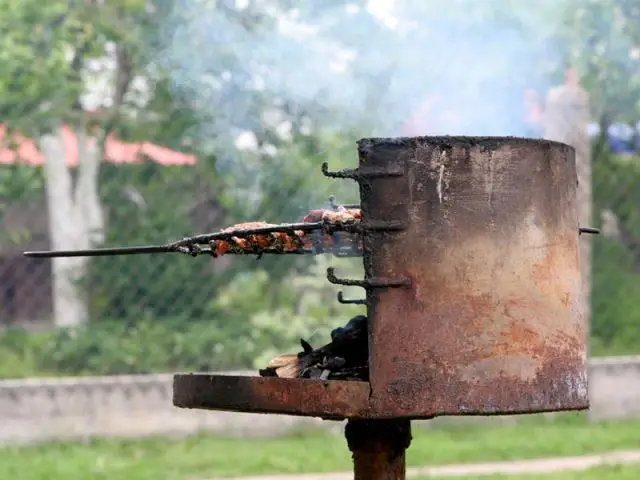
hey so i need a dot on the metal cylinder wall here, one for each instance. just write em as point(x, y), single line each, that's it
point(491, 322)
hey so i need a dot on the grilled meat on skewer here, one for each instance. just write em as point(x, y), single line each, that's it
point(340, 215)
point(323, 231)
point(285, 242)
point(257, 243)
point(346, 357)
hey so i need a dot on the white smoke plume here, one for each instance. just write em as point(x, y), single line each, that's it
point(476, 57)
point(381, 67)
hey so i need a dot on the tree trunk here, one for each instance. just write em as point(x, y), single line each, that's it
point(75, 222)
point(86, 196)
point(566, 116)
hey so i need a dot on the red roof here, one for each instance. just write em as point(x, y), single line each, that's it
point(116, 151)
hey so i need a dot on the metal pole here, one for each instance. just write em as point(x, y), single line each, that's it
point(378, 448)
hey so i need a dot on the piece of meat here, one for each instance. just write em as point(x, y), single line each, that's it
point(222, 247)
point(333, 216)
point(356, 213)
point(340, 215)
point(264, 241)
point(290, 242)
point(314, 216)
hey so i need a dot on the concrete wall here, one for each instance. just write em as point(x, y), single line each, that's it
point(34, 410)
point(614, 386)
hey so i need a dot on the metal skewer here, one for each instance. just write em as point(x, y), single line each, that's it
point(198, 244)
point(191, 245)
point(98, 252)
point(188, 245)
point(194, 245)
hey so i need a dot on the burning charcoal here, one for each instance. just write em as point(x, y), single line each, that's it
point(357, 373)
point(346, 357)
point(358, 322)
point(334, 363)
point(306, 347)
point(313, 372)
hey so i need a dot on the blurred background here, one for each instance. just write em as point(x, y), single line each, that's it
point(134, 122)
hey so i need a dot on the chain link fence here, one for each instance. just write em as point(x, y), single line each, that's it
point(166, 312)
point(159, 312)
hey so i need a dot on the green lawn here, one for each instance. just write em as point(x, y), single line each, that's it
point(615, 472)
point(206, 456)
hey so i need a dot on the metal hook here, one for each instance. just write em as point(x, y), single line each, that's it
point(345, 301)
point(372, 282)
point(356, 173)
point(346, 173)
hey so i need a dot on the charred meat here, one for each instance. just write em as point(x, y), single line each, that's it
point(341, 214)
point(260, 243)
point(295, 241)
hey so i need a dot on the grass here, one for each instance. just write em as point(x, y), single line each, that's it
point(204, 457)
point(613, 472)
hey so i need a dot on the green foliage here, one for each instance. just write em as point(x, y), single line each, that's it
point(275, 317)
point(616, 261)
point(615, 300)
point(603, 37)
point(177, 202)
point(274, 187)
point(208, 456)
point(168, 312)
point(18, 182)
point(44, 46)
point(149, 204)
point(108, 348)
point(246, 323)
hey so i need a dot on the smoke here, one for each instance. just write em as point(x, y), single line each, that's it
point(330, 56)
point(383, 68)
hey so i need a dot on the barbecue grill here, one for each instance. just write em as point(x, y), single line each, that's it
point(472, 290)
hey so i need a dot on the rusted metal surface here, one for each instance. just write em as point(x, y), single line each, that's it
point(378, 448)
point(491, 322)
point(314, 398)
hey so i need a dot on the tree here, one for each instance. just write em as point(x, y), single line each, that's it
point(88, 70)
point(264, 82)
point(70, 72)
point(603, 41)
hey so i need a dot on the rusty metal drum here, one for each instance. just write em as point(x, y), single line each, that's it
point(491, 321)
